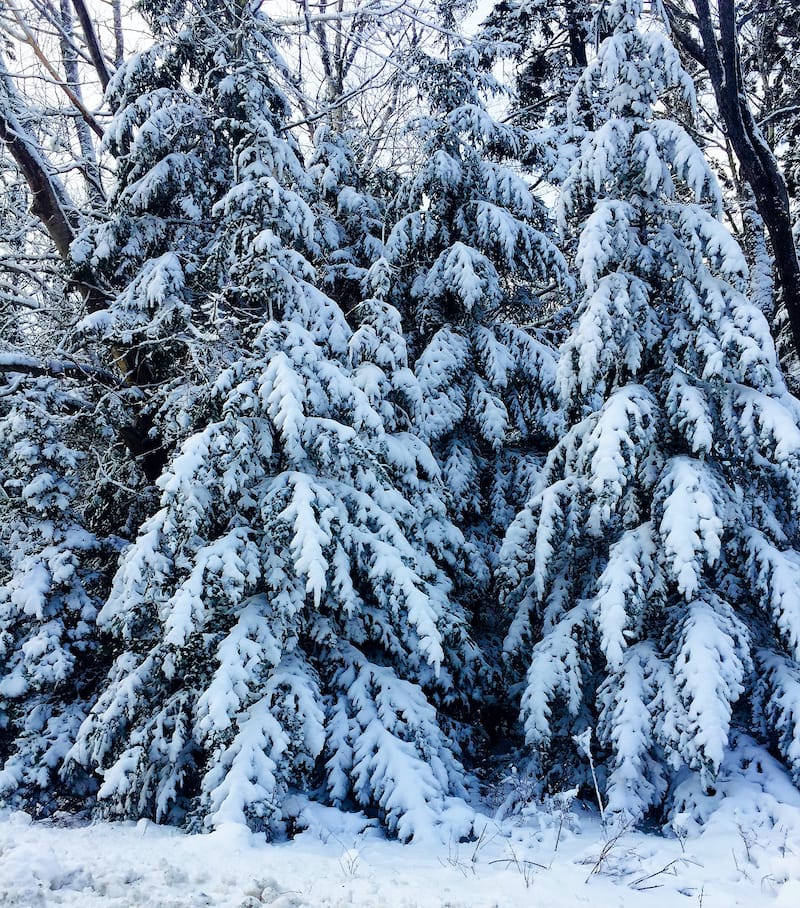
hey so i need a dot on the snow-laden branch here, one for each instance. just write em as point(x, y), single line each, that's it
point(22, 364)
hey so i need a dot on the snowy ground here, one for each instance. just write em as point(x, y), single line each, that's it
point(747, 853)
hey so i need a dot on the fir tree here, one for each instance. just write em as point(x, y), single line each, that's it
point(648, 576)
point(167, 325)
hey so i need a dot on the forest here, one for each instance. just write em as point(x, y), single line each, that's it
point(396, 397)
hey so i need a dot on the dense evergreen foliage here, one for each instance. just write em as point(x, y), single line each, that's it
point(649, 569)
point(365, 475)
point(285, 617)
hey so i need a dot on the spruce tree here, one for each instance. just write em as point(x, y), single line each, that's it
point(650, 576)
point(164, 325)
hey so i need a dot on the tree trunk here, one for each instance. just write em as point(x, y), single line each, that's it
point(758, 163)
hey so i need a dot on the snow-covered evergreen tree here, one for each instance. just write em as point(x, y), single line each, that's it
point(652, 575)
point(349, 217)
point(168, 326)
point(471, 255)
point(51, 586)
point(286, 618)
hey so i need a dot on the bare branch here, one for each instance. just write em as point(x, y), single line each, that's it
point(30, 40)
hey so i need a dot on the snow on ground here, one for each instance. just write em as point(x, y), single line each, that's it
point(146, 865)
point(746, 853)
